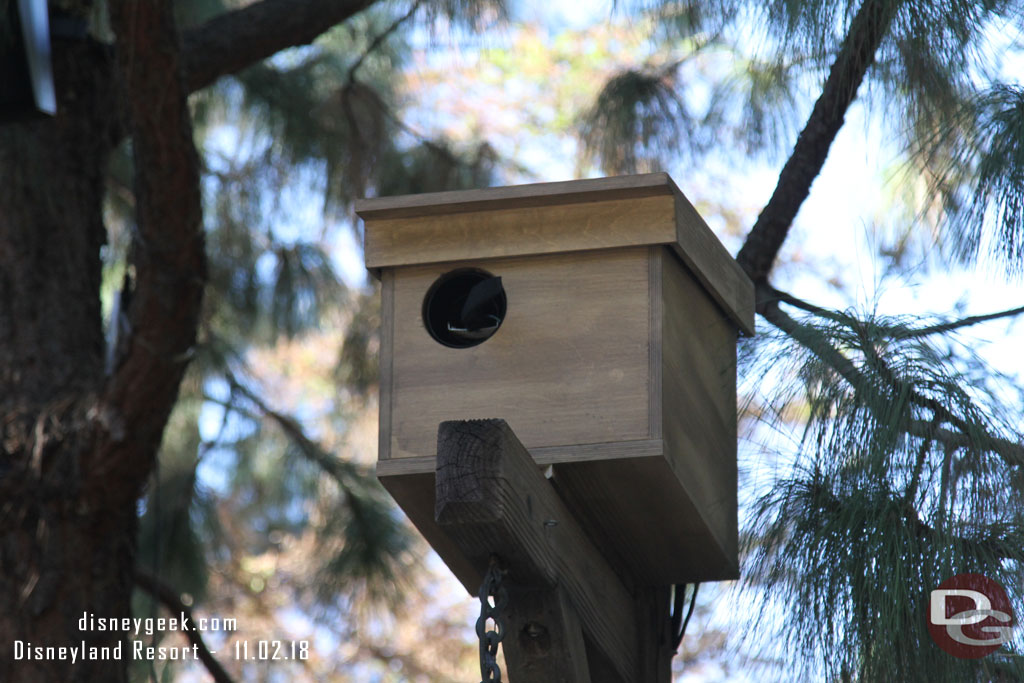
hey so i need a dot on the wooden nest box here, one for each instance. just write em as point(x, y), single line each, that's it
point(608, 345)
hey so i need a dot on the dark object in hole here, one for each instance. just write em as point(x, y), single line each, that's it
point(464, 308)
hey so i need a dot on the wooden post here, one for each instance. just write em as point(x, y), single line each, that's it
point(545, 640)
point(654, 631)
point(493, 500)
point(570, 617)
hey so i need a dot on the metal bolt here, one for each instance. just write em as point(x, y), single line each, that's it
point(535, 630)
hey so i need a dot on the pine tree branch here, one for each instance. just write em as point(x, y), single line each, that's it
point(294, 431)
point(786, 297)
point(895, 332)
point(867, 30)
point(379, 40)
point(964, 436)
point(993, 546)
point(767, 304)
point(234, 40)
point(974, 437)
point(168, 256)
point(170, 599)
point(951, 325)
point(922, 455)
point(1011, 451)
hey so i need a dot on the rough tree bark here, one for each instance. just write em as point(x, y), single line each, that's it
point(64, 550)
point(76, 444)
point(867, 30)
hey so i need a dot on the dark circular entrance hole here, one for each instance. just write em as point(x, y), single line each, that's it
point(464, 307)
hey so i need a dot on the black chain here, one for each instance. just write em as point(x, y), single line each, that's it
point(491, 588)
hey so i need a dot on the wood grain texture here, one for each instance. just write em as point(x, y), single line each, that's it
point(492, 500)
point(598, 451)
point(386, 362)
point(516, 196)
point(671, 517)
point(548, 218)
point(544, 641)
point(708, 261)
point(519, 231)
point(656, 651)
point(426, 464)
point(568, 366)
point(699, 403)
point(647, 524)
point(656, 312)
point(665, 508)
point(542, 456)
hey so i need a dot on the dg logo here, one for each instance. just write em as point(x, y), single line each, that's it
point(970, 616)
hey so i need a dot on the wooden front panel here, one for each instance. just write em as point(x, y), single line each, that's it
point(569, 365)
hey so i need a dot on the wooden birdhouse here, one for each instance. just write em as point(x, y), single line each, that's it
point(599, 318)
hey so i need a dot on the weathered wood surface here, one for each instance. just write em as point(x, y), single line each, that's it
point(491, 499)
point(662, 378)
point(545, 640)
point(655, 633)
point(671, 518)
point(386, 363)
point(719, 274)
point(515, 196)
point(557, 455)
point(520, 231)
point(699, 408)
point(568, 366)
point(555, 218)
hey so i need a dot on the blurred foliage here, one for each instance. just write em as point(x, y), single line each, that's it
point(976, 157)
point(903, 471)
point(892, 473)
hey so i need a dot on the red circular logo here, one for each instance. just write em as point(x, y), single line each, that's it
point(970, 616)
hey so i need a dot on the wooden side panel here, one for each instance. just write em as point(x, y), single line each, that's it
point(713, 266)
point(387, 344)
point(520, 231)
point(568, 366)
point(655, 323)
point(699, 404)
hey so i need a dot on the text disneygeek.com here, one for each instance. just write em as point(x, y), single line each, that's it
point(138, 649)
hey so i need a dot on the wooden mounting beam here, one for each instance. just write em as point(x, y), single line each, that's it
point(492, 499)
point(544, 640)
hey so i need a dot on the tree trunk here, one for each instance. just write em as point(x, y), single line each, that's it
point(76, 444)
point(68, 534)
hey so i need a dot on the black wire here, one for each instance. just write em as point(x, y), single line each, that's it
point(679, 630)
point(678, 595)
